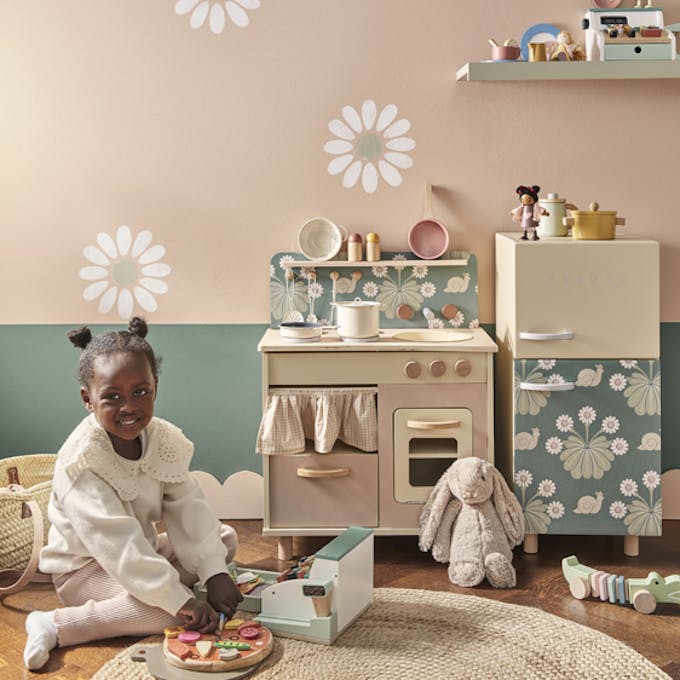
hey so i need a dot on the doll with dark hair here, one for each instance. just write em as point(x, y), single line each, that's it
point(528, 212)
point(119, 473)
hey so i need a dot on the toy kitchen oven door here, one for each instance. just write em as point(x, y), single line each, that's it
point(631, 33)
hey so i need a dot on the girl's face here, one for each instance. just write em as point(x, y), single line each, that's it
point(121, 395)
point(525, 199)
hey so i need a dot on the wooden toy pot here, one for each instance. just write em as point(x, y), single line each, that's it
point(593, 224)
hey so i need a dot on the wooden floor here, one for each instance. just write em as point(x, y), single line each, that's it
point(399, 564)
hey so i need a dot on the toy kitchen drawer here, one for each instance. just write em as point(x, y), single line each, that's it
point(635, 33)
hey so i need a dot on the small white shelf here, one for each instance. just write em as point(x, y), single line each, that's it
point(338, 264)
point(574, 70)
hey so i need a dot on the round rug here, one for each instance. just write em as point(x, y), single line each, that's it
point(408, 634)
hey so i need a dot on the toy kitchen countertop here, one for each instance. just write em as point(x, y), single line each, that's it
point(382, 421)
point(389, 340)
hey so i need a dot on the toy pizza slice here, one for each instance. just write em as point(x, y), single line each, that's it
point(245, 646)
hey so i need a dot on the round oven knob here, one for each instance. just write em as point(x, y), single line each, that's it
point(437, 368)
point(412, 369)
point(462, 367)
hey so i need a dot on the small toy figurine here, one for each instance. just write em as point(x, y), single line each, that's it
point(528, 212)
point(565, 49)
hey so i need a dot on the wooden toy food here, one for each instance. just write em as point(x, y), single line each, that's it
point(230, 650)
point(642, 593)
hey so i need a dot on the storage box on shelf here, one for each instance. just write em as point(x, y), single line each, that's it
point(578, 384)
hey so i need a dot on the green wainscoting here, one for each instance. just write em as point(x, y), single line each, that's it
point(209, 386)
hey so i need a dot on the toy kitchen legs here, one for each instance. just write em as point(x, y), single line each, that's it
point(579, 398)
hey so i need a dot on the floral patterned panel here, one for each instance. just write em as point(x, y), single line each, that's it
point(588, 460)
point(305, 293)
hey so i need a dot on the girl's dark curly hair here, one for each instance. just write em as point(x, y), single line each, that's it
point(532, 191)
point(130, 340)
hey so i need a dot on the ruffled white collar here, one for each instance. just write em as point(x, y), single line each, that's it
point(166, 456)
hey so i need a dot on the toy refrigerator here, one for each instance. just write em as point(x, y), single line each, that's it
point(579, 385)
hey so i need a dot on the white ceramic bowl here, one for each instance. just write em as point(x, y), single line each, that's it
point(300, 331)
point(320, 239)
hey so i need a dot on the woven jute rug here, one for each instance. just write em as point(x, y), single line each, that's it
point(408, 634)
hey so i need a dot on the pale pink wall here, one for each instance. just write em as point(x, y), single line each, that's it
point(117, 112)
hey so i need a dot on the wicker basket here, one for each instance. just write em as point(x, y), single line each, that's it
point(23, 517)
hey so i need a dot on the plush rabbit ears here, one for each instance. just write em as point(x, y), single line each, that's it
point(433, 510)
point(508, 508)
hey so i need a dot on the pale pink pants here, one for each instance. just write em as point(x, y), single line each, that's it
point(97, 607)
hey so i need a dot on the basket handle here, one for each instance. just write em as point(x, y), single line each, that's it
point(30, 573)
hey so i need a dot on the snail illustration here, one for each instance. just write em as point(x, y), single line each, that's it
point(650, 442)
point(344, 284)
point(587, 377)
point(457, 284)
point(525, 441)
point(587, 505)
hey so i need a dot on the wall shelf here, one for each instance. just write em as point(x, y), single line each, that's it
point(338, 264)
point(575, 70)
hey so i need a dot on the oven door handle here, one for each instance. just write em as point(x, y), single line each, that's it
point(432, 424)
point(311, 473)
point(547, 387)
point(563, 335)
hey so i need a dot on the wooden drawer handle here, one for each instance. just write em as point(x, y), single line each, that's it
point(311, 473)
point(432, 424)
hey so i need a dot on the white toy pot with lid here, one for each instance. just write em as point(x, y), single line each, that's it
point(553, 224)
point(358, 319)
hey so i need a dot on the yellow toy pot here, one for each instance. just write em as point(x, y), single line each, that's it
point(593, 224)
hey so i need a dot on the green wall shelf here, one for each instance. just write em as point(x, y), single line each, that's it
point(575, 70)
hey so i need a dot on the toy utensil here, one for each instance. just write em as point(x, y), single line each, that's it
point(493, 43)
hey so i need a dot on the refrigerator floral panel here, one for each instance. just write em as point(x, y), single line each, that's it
point(587, 448)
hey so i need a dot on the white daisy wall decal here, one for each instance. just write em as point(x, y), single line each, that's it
point(124, 271)
point(217, 13)
point(369, 145)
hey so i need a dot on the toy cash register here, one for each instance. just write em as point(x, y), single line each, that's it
point(632, 33)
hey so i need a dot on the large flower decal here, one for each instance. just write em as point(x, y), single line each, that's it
point(216, 12)
point(124, 271)
point(368, 145)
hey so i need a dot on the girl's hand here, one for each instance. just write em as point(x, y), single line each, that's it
point(198, 615)
point(223, 594)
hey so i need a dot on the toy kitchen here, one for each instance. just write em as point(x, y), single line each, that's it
point(631, 33)
point(376, 377)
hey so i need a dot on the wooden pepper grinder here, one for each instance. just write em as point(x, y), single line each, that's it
point(372, 247)
point(355, 248)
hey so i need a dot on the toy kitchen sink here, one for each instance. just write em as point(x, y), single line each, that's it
point(337, 588)
point(631, 33)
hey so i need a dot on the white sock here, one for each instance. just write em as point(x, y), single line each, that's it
point(42, 638)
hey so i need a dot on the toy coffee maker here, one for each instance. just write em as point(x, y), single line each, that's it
point(552, 225)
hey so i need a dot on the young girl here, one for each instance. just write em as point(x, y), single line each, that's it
point(118, 473)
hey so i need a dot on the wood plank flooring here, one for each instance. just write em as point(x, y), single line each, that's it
point(399, 564)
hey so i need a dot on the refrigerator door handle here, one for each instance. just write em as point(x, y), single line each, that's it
point(547, 387)
point(563, 335)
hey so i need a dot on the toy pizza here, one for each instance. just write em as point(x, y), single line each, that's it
point(239, 645)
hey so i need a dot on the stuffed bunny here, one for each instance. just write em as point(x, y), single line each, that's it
point(473, 520)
